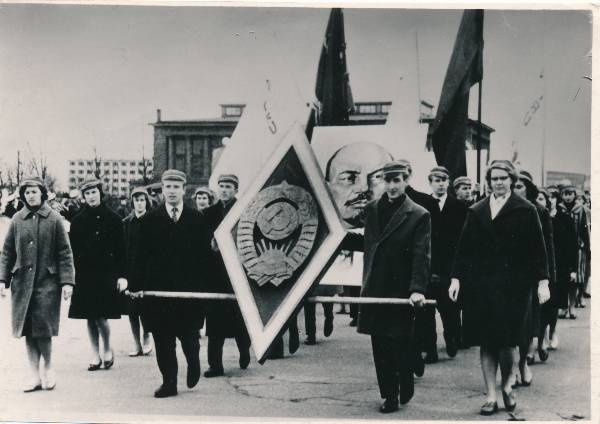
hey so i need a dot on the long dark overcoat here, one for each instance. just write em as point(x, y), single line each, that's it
point(223, 319)
point(536, 308)
point(452, 218)
point(566, 253)
point(98, 249)
point(172, 257)
point(396, 264)
point(36, 260)
point(499, 263)
point(131, 232)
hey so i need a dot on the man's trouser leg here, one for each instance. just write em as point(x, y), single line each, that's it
point(190, 344)
point(166, 358)
point(310, 319)
point(386, 355)
point(215, 352)
point(242, 339)
point(426, 336)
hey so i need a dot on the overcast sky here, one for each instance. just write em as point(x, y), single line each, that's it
point(75, 77)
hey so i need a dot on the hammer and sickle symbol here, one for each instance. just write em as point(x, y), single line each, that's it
point(272, 254)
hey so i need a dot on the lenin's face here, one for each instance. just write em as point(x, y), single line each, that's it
point(355, 177)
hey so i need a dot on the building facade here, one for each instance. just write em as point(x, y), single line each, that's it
point(117, 175)
point(192, 145)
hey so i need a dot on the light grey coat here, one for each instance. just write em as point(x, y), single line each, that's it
point(36, 262)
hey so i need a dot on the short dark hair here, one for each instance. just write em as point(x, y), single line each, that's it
point(43, 189)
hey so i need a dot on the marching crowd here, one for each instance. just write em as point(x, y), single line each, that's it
point(502, 267)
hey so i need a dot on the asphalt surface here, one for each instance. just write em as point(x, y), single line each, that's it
point(334, 379)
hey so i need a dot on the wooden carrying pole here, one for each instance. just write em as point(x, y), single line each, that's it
point(314, 299)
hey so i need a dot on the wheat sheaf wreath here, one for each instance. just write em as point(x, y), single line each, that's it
point(278, 210)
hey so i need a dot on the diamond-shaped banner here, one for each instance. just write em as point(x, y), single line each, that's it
point(278, 238)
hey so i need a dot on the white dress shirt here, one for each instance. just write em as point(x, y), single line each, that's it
point(179, 207)
point(441, 200)
point(497, 203)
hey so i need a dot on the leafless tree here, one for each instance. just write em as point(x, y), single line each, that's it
point(95, 167)
point(37, 165)
point(144, 168)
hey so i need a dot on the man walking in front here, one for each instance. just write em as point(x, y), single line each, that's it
point(174, 245)
point(396, 248)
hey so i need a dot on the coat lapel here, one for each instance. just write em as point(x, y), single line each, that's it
point(483, 212)
point(396, 220)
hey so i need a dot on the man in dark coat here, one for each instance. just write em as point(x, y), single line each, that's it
point(173, 249)
point(463, 190)
point(132, 225)
point(451, 220)
point(397, 260)
point(425, 340)
point(224, 319)
point(500, 258)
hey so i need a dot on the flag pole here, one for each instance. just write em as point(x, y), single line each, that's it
point(479, 135)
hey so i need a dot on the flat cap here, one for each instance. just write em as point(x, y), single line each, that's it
point(229, 178)
point(174, 175)
point(396, 167)
point(205, 190)
point(406, 163)
point(461, 180)
point(139, 190)
point(504, 165)
point(32, 182)
point(90, 183)
point(524, 175)
point(439, 171)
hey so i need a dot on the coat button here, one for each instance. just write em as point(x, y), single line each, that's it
point(30, 268)
point(98, 217)
point(97, 232)
point(31, 242)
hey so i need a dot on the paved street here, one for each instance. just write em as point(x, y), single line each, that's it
point(334, 379)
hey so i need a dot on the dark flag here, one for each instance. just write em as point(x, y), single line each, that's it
point(448, 132)
point(332, 90)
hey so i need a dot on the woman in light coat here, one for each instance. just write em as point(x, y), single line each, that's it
point(37, 265)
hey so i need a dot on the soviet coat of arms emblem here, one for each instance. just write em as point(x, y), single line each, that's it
point(276, 233)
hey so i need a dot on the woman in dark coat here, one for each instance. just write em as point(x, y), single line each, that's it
point(565, 245)
point(37, 264)
point(500, 259)
point(140, 203)
point(97, 241)
point(525, 188)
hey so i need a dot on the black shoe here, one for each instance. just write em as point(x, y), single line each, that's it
point(509, 401)
point(294, 342)
point(543, 354)
point(431, 357)
point(587, 295)
point(419, 365)
point(211, 372)
point(407, 389)
point(310, 341)
point(244, 359)
point(353, 322)
point(530, 360)
point(389, 405)
point(193, 374)
point(451, 348)
point(166, 390)
point(328, 327)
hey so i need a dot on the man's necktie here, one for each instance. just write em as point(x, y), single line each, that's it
point(174, 214)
